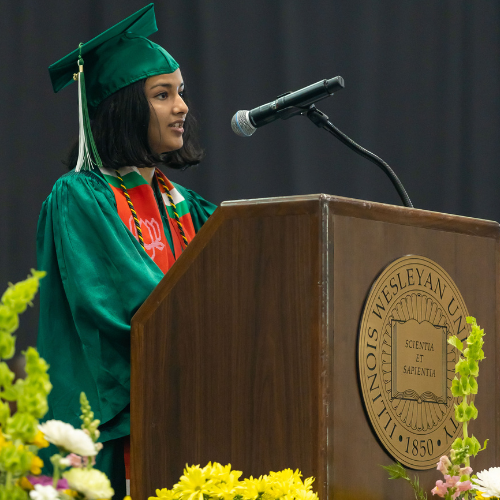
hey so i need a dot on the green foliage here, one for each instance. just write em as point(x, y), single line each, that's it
point(34, 389)
point(22, 426)
point(462, 448)
point(463, 385)
point(18, 430)
point(13, 493)
point(467, 369)
point(15, 459)
point(13, 302)
point(18, 296)
point(4, 413)
point(397, 471)
point(456, 342)
point(465, 412)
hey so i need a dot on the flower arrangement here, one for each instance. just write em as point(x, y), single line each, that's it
point(216, 481)
point(21, 435)
point(458, 481)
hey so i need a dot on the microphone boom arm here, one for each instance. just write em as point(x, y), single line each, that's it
point(322, 121)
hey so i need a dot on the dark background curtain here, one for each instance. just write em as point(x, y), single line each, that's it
point(422, 91)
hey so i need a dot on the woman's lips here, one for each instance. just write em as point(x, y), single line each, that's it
point(177, 127)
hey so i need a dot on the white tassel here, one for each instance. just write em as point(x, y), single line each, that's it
point(84, 161)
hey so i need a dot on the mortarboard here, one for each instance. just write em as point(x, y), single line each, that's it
point(114, 59)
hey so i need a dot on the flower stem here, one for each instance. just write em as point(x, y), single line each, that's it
point(467, 457)
point(56, 477)
point(8, 480)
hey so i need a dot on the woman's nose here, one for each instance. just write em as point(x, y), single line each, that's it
point(180, 106)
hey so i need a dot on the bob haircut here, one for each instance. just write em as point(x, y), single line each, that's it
point(120, 129)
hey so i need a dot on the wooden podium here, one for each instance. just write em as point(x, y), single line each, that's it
point(246, 352)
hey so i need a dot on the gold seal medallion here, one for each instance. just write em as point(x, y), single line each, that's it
point(406, 365)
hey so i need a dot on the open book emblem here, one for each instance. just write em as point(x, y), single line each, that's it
point(405, 362)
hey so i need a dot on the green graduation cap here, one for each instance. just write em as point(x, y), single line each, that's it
point(114, 59)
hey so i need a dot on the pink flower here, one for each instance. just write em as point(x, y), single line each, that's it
point(443, 465)
point(451, 481)
point(452, 485)
point(466, 471)
point(464, 486)
point(78, 461)
point(441, 488)
point(459, 488)
point(47, 481)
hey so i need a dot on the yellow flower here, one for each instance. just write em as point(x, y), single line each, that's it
point(220, 473)
point(283, 483)
point(252, 488)
point(227, 487)
point(71, 493)
point(25, 484)
point(36, 465)
point(305, 495)
point(127, 498)
point(163, 494)
point(193, 484)
point(479, 496)
point(40, 440)
point(308, 483)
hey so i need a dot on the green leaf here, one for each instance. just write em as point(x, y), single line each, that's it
point(396, 471)
point(22, 426)
point(471, 412)
point(457, 444)
point(473, 367)
point(473, 444)
point(4, 413)
point(456, 342)
point(460, 413)
point(462, 367)
point(7, 345)
point(456, 388)
point(9, 319)
point(473, 384)
point(464, 384)
point(6, 375)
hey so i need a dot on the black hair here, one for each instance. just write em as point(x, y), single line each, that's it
point(120, 129)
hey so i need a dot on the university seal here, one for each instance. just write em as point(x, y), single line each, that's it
point(405, 362)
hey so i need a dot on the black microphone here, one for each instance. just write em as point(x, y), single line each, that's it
point(245, 123)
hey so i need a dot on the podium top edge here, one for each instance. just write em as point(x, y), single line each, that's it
point(391, 213)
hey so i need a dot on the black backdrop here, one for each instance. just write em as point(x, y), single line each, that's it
point(422, 91)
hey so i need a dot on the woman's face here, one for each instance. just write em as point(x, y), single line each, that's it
point(168, 111)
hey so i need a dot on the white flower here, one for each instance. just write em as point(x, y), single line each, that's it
point(488, 482)
point(92, 483)
point(66, 436)
point(43, 493)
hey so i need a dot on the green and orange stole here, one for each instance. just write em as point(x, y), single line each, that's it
point(148, 213)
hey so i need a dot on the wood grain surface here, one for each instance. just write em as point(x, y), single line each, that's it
point(246, 351)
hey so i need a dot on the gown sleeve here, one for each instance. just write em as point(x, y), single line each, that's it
point(98, 275)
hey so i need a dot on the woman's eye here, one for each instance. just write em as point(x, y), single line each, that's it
point(162, 96)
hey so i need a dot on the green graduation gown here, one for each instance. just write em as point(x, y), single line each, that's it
point(98, 275)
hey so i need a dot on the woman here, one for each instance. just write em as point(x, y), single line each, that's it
point(112, 227)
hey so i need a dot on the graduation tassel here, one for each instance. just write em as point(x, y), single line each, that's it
point(87, 150)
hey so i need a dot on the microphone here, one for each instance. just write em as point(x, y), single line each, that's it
point(245, 123)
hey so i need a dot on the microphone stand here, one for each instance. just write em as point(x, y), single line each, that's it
point(322, 121)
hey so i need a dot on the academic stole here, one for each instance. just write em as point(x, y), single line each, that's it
point(148, 213)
